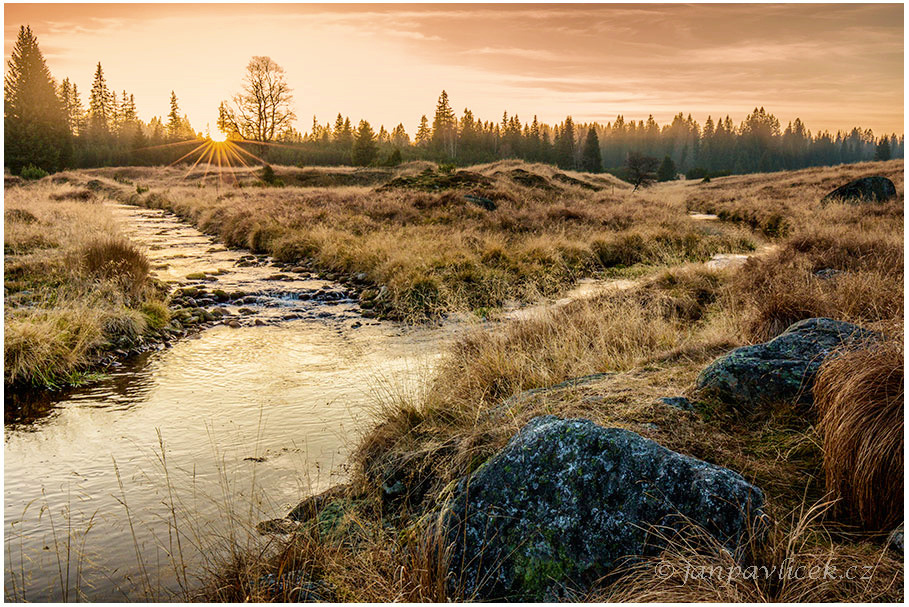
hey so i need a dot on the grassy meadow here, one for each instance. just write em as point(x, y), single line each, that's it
point(75, 289)
point(424, 242)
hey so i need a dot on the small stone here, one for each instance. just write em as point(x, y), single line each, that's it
point(679, 402)
point(277, 526)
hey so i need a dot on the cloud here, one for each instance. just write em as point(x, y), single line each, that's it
point(523, 53)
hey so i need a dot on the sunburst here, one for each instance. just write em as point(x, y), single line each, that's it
point(220, 154)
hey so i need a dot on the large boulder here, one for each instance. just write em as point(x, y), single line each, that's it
point(780, 370)
point(568, 501)
point(871, 189)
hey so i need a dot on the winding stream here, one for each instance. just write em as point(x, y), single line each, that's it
point(251, 419)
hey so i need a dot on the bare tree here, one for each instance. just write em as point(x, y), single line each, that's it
point(262, 110)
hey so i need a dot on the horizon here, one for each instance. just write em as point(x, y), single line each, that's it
point(596, 63)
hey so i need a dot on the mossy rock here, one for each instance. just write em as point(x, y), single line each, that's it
point(781, 370)
point(567, 502)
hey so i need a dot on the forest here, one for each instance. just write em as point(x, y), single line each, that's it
point(49, 128)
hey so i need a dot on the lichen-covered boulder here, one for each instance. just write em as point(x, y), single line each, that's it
point(871, 189)
point(780, 370)
point(568, 501)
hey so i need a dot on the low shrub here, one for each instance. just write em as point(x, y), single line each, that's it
point(32, 172)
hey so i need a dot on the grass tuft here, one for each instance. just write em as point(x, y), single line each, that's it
point(859, 397)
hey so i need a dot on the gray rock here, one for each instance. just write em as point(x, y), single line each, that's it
point(895, 541)
point(679, 402)
point(781, 370)
point(568, 501)
point(871, 189)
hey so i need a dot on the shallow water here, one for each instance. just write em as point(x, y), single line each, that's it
point(252, 419)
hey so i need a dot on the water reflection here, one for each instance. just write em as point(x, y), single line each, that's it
point(121, 386)
point(292, 398)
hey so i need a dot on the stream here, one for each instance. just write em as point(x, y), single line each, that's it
point(225, 428)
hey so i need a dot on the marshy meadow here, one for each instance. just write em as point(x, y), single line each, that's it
point(505, 361)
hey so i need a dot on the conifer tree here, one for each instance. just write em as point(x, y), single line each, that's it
point(565, 145)
point(667, 170)
point(424, 134)
point(591, 158)
point(399, 137)
point(173, 118)
point(76, 111)
point(882, 150)
point(444, 127)
point(35, 121)
point(365, 149)
point(99, 110)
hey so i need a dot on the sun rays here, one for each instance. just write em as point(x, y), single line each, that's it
point(218, 154)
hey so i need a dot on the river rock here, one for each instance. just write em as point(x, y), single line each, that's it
point(568, 501)
point(870, 189)
point(780, 370)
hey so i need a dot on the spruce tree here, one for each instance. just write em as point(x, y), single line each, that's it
point(34, 118)
point(364, 150)
point(444, 127)
point(667, 170)
point(882, 150)
point(99, 110)
point(174, 123)
point(591, 158)
point(76, 111)
point(565, 145)
point(399, 137)
point(424, 134)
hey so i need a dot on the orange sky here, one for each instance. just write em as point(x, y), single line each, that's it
point(833, 65)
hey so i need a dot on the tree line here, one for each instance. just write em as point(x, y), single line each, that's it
point(47, 126)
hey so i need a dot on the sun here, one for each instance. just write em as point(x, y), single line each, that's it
point(217, 136)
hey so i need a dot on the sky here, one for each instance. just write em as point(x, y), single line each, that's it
point(833, 65)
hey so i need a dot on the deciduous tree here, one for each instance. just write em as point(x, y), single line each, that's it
point(641, 169)
point(263, 109)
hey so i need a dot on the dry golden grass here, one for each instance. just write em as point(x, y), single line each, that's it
point(859, 398)
point(72, 286)
point(794, 561)
point(436, 251)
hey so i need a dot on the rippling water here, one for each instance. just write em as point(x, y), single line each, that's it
point(252, 420)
